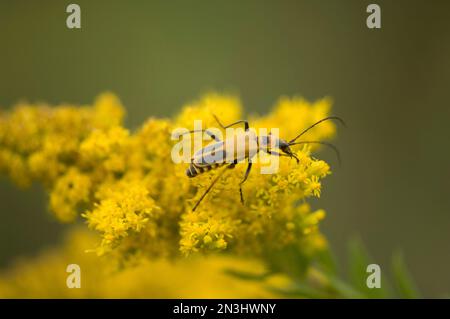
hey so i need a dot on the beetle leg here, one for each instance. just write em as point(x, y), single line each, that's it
point(210, 187)
point(233, 164)
point(211, 134)
point(246, 126)
point(247, 172)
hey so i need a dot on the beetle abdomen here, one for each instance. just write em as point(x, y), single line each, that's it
point(194, 170)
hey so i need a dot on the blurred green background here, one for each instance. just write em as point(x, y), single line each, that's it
point(390, 85)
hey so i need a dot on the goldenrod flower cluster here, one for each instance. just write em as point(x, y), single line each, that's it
point(127, 188)
point(45, 276)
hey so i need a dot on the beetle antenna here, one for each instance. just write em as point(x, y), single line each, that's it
point(318, 122)
point(335, 149)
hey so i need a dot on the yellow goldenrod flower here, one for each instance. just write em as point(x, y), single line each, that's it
point(44, 276)
point(126, 187)
point(70, 190)
point(122, 208)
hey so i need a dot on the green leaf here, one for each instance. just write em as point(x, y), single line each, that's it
point(245, 275)
point(327, 262)
point(359, 259)
point(290, 260)
point(301, 290)
point(404, 284)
